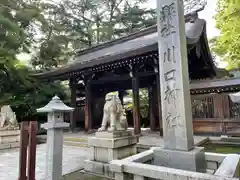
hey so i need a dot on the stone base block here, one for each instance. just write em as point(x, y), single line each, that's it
point(111, 142)
point(193, 160)
point(107, 154)
point(9, 136)
point(98, 168)
point(108, 146)
point(9, 145)
point(115, 134)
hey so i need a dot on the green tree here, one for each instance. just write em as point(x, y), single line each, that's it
point(52, 48)
point(89, 22)
point(18, 22)
point(227, 45)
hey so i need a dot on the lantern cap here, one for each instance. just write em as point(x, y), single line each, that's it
point(55, 105)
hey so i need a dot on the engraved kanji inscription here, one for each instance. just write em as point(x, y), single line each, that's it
point(173, 121)
point(171, 94)
point(169, 55)
point(170, 75)
point(167, 15)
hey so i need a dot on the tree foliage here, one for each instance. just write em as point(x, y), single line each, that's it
point(52, 33)
point(17, 87)
point(80, 24)
point(227, 45)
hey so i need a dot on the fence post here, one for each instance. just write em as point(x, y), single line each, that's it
point(23, 150)
point(32, 150)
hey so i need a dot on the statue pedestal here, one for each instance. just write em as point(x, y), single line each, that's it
point(9, 139)
point(108, 146)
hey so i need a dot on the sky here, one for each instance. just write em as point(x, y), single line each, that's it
point(207, 14)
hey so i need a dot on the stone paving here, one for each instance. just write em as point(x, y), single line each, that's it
point(73, 159)
point(148, 138)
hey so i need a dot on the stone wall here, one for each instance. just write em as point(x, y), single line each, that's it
point(139, 167)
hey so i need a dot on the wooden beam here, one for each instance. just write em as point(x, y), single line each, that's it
point(121, 78)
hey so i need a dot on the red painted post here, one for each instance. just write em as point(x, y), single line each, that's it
point(23, 150)
point(32, 150)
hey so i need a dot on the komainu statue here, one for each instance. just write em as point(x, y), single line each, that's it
point(8, 120)
point(113, 114)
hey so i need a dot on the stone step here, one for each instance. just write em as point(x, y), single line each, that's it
point(9, 145)
point(228, 143)
point(76, 139)
point(77, 144)
point(210, 171)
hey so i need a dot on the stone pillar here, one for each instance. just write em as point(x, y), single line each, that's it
point(136, 105)
point(55, 109)
point(173, 71)
point(88, 107)
point(175, 94)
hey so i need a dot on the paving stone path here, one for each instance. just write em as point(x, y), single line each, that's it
point(73, 159)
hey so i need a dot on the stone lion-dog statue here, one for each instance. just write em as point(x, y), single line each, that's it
point(113, 114)
point(8, 120)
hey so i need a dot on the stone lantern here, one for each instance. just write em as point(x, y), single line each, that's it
point(55, 110)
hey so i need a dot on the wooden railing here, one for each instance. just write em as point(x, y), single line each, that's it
point(215, 126)
point(202, 107)
point(215, 113)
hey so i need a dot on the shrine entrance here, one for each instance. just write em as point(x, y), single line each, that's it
point(131, 62)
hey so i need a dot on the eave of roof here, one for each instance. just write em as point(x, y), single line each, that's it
point(216, 83)
point(133, 44)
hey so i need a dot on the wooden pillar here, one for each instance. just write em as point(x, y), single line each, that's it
point(136, 105)
point(88, 107)
point(73, 104)
point(32, 150)
point(226, 106)
point(157, 88)
point(218, 106)
point(151, 101)
point(23, 150)
point(121, 95)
